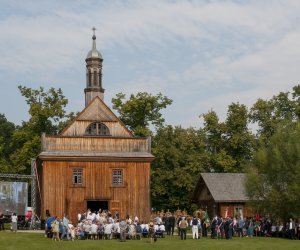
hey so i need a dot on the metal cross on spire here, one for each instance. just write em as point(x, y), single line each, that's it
point(94, 36)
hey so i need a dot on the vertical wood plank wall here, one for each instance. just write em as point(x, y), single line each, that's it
point(78, 129)
point(61, 197)
point(95, 144)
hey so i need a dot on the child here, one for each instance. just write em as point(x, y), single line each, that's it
point(71, 230)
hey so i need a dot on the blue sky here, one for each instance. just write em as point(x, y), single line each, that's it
point(202, 54)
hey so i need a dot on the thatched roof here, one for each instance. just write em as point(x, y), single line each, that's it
point(224, 187)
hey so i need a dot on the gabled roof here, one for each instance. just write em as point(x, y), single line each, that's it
point(97, 110)
point(224, 187)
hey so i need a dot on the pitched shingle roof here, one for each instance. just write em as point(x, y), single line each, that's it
point(226, 187)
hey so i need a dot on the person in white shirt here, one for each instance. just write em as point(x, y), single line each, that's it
point(86, 229)
point(71, 230)
point(132, 231)
point(111, 220)
point(97, 216)
point(195, 225)
point(108, 230)
point(14, 220)
point(158, 219)
point(145, 229)
point(116, 229)
point(94, 231)
point(161, 229)
point(292, 227)
point(142, 225)
point(90, 216)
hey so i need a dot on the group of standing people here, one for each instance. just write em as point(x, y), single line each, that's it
point(249, 227)
point(14, 222)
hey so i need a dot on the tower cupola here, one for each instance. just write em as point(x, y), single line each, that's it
point(94, 62)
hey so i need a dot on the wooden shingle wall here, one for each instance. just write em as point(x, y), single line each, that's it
point(61, 197)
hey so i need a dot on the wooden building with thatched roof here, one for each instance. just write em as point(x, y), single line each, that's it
point(95, 162)
point(221, 194)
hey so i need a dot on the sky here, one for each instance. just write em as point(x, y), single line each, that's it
point(204, 55)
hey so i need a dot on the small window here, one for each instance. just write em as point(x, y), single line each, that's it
point(97, 129)
point(117, 177)
point(77, 176)
point(90, 78)
point(95, 78)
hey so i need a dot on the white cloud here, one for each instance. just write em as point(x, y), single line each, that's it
point(202, 54)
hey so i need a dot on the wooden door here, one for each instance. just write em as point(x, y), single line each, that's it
point(115, 207)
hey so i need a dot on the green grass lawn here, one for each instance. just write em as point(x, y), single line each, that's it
point(32, 241)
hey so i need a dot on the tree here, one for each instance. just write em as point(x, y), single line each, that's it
point(238, 140)
point(296, 98)
point(273, 179)
point(179, 160)
point(214, 131)
point(141, 111)
point(267, 114)
point(46, 109)
point(6, 130)
point(218, 160)
point(229, 144)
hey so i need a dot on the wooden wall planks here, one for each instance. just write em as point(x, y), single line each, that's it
point(78, 128)
point(61, 197)
point(100, 144)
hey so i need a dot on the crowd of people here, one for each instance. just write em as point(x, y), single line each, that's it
point(249, 227)
point(103, 225)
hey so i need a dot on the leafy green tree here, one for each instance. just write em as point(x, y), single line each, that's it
point(6, 130)
point(273, 179)
point(46, 109)
point(141, 111)
point(214, 130)
point(238, 140)
point(229, 144)
point(217, 159)
point(296, 98)
point(267, 114)
point(179, 160)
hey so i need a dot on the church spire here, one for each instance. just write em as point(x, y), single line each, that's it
point(93, 73)
point(94, 39)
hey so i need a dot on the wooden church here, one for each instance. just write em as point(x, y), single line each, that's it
point(95, 162)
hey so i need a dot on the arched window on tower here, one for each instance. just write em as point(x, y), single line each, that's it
point(90, 78)
point(99, 77)
point(95, 78)
point(97, 128)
